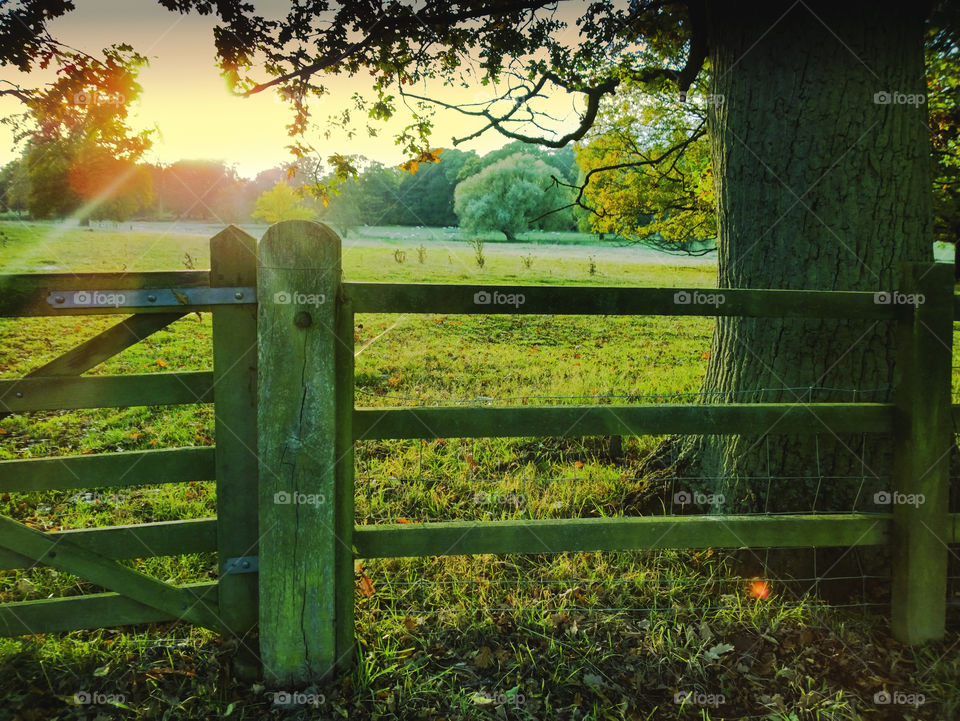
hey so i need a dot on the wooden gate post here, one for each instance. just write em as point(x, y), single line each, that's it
point(304, 538)
point(922, 447)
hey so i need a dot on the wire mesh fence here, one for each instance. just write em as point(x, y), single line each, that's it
point(603, 479)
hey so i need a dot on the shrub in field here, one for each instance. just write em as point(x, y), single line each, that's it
point(506, 196)
point(477, 245)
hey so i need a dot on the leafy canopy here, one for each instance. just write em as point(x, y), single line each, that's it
point(646, 170)
point(518, 50)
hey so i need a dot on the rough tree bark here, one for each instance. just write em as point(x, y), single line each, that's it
point(820, 185)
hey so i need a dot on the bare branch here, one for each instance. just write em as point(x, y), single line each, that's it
point(16, 91)
point(386, 24)
point(698, 133)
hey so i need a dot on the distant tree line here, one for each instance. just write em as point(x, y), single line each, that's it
point(58, 180)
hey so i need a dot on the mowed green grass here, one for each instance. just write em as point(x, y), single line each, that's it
point(586, 636)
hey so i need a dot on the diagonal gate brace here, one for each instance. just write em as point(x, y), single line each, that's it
point(67, 556)
point(105, 345)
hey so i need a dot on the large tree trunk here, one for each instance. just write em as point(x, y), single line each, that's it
point(818, 187)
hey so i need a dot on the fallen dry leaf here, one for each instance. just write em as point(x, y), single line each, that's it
point(483, 658)
point(366, 586)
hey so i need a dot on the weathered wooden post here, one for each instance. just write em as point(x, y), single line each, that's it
point(233, 263)
point(923, 442)
point(306, 517)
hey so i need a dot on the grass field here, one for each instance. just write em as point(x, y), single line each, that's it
point(567, 636)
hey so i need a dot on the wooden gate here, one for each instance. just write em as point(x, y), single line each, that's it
point(156, 300)
point(283, 459)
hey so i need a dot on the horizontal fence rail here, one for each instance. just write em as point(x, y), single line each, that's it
point(143, 540)
point(565, 421)
point(132, 468)
point(628, 533)
point(95, 610)
point(27, 295)
point(597, 300)
point(106, 293)
point(174, 538)
point(621, 534)
point(65, 393)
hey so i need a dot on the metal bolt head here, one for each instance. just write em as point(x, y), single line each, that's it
point(59, 299)
point(152, 298)
point(303, 319)
point(238, 295)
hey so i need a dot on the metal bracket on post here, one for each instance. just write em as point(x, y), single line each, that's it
point(241, 564)
point(150, 297)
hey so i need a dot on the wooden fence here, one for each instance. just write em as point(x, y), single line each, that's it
point(282, 388)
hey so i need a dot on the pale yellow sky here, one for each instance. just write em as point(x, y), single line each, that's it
point(185, 98)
